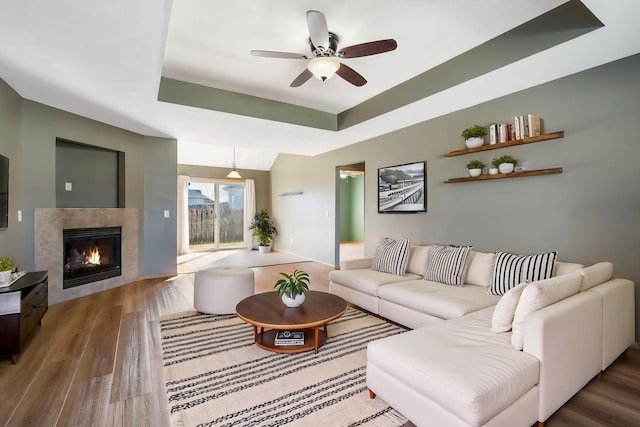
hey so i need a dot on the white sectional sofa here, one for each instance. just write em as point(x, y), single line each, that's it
point(453, 370)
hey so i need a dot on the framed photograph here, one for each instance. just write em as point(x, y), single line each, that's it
point(402, 189)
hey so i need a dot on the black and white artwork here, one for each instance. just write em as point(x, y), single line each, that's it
point(402, 188)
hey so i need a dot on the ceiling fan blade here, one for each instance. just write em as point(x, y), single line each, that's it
point(351, 75)
point(366, 49)
point(274, 54)
point(302, 78)
point(318, 30)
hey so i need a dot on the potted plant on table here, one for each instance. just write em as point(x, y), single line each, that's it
point(6, 268)
point(475, 168)
point(263, 229)
point(292, 288)
point(474, 136)
point(505, 164)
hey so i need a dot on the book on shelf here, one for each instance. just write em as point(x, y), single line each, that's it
point(493, 133)
point(516, 126)
point(289, 338)
point(533, 123)
point(504, 132)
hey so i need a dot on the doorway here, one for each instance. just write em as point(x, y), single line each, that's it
point(350, 213)
point(216, 214)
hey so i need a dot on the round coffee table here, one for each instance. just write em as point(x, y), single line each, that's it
point(267, 310)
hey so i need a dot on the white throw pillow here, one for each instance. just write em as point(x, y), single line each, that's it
point(595, 274)
point(538, 295)
point(505, 309)
point(418, 259)
point(447, 264)
point(510, 270)
point(479, 268)
point(392, 256)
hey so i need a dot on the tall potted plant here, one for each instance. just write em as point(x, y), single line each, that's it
point(263, 229)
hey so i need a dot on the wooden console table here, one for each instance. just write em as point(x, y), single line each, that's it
point(22, 306)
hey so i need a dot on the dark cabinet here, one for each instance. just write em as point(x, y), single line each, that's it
point(22, 306)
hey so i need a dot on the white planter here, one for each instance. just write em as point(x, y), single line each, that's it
point(293, 302)
point(264, 249)
point(5, 276)
point(475, 172)
point(474, 142)
point(493, 171)
point(506, 167)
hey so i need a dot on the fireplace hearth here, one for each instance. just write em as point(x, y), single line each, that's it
point(90, 255)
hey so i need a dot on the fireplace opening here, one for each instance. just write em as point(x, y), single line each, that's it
point(90, 255)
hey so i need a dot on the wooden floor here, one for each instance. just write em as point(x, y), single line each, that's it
point(96, 361)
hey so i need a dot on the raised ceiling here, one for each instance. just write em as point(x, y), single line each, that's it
point(183, 70)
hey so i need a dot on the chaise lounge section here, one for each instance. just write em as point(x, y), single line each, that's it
point(475, 359)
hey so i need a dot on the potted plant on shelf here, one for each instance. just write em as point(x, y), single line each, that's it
point(6, 268)
point(505, 164)
point(475, 168)
point(292, 288)
point(474, 136)
point(263, 229)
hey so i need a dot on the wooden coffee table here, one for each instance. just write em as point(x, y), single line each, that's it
point(267, 310)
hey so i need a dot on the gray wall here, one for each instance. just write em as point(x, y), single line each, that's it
point(589, 213)
point(29, 138)
point(92, 173)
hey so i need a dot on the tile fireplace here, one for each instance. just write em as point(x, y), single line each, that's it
point(90, 254)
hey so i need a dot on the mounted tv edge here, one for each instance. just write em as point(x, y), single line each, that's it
point(402, 189)
point(4, 192)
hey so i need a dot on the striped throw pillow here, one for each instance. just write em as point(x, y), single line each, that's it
point(447, 264)
point(392, 256)
point(510, 270)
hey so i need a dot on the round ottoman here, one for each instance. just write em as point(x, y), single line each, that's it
point(218, 290)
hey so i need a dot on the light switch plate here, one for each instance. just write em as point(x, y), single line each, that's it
point(68, 186)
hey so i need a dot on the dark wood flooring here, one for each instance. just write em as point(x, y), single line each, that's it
point(96, 361)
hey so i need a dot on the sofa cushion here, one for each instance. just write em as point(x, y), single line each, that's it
point(418, 259)
point(538, 295)
point(367, 280)
point(437, 299)
point(392, 256)
point(505, 309)
point(447, 264)
point(479, 268)
point(459, 365)
point(560, 268)
point(595, 274)
point(510, 270)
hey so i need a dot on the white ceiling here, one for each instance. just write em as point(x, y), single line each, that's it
point(104, 59)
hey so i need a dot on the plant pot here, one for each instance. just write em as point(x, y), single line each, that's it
point(264, 249)
point(5, 276)
point(293, 302)
point(475, 172)
point(474, 142)
point(493, 171)
point(506, 167)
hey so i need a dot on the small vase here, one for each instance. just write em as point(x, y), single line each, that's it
point(293, 302)
point(475, 172)
point(506, 167)
point(5, 276)
point(493, 171)
point(474, 142)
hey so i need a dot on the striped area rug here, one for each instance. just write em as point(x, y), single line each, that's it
point(216, 376)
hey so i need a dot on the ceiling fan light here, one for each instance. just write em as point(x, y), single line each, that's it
point(323, 67)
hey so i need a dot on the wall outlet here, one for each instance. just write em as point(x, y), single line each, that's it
point(19, 216)
point(166, 213)
point(519, 169)
point(485, 171)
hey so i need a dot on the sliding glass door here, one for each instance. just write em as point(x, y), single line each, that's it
point(216, 214)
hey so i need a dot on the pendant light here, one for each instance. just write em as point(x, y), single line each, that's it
point(234, 173)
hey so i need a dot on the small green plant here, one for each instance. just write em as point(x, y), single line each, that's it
point(263, 227)
point(293, 284)
point(476, 131)
point(475, 164)
point(6, 263)
point(504, 159)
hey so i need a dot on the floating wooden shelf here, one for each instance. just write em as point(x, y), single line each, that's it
point(522, 174)
point(546, 137)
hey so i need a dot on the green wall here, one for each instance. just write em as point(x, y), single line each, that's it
point(28, 138)
point(589, 213)
point(351, 208)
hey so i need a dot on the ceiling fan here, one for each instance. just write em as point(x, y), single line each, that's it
point(325, 54)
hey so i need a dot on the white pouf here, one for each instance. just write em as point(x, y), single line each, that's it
point(218, 290)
